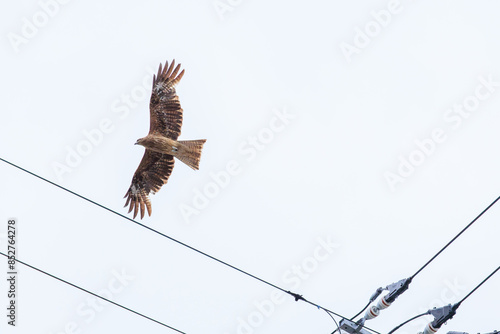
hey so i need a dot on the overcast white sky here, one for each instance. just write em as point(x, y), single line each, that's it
point(346, 144)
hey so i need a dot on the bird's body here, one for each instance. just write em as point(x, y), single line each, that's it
point(161, 143)
point(187, 151)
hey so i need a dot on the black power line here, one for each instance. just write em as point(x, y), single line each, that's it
point(94, 294)
point(363, 309)
point(144, 226)
point(443, 314)
point(477, 287)
point(335, 321)
point(296, 296)
point(396, 289)
point(452, 240)
point(404, 284)
point(407, 321)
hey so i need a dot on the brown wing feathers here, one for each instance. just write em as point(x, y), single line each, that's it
point(165, 108)
point(166, 75)
point(165, 119)
point(153, 172)
point(140, 199)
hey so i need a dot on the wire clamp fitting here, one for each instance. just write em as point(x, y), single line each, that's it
point(441, 316)
point(296, 296)
point(352, 327)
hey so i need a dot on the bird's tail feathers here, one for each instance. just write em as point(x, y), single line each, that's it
point(190, 152)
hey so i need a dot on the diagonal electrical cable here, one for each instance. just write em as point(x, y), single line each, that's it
point(362, 310)
point(335, 321)
point(352, 318)
point(142, 225)
point(452, 309)
point(94, 294)
point(452, 240)
point(407, 321)
point(477, 287)
point(296, 296)
point(435, 255)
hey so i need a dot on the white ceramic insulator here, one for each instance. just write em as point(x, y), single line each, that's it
point(372, 312)
point(382, 304)
point(429, 329)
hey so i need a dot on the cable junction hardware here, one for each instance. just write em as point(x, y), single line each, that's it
point(395, 289)
point(357, 327)
point(443, 314)
point(398, 288)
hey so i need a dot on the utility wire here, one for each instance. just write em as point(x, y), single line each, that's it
point(335, 321)
point(94, 294)
point(473, 290)
point(142, 225)
point(452, 240)
point(299, 297)
point(407, 321)
point(296, 296)
point(409, 279)
point(451, 309)
point(364, 308)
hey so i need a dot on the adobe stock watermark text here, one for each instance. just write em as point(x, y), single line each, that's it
point(453, 118)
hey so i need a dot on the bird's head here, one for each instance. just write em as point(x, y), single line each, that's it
point(139, 141)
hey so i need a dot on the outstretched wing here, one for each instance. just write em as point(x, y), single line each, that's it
point(153, 172)
point(164, 106)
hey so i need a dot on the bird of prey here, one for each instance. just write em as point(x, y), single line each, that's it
point(161, 143)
